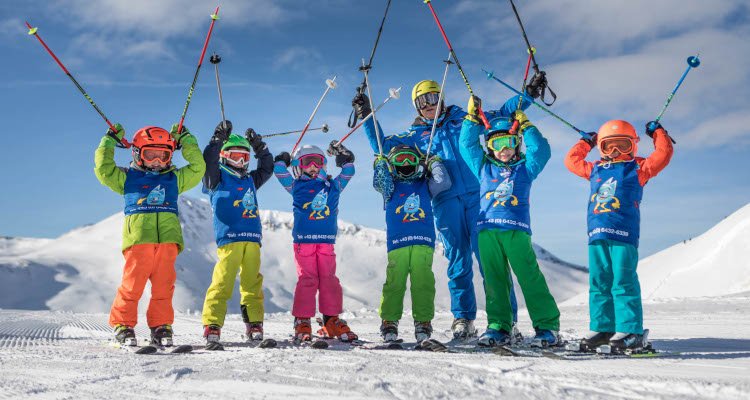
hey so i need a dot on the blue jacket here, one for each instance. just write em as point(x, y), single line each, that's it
point(614, 202)
point(147, 192)
point(235, 205)
point(445, 144)
point(505, 187)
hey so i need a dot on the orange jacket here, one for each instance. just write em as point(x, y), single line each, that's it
point(649, 167)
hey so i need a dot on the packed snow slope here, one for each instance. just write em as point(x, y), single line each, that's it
point(80, 270)
point(715, 263)
point(51, 355)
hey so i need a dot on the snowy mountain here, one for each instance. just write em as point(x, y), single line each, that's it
point(80, 270)
point(716, 263)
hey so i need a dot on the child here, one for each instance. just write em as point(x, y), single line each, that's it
point(316, 202)
point(410, 232)
point(151, 237)
point(237, 225)
point(617, 180)
point(505, 176)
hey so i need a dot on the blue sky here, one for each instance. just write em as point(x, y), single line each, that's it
point(605, 60)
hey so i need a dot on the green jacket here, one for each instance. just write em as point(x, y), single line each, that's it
point(163, 227)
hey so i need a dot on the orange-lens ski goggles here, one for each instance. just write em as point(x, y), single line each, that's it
point(621, 144)
point(151, 154)
point(312, 159)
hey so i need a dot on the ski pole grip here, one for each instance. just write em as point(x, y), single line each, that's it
point(483, 117)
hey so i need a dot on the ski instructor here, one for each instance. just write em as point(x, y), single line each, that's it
point(456, 210)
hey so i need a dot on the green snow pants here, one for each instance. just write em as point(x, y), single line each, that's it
point(498, 249)
point(414, 262)
point(614, 290)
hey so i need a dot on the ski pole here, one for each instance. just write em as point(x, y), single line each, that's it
point(392, 94)
point(365, 69)
point(323, 128)
point(448, 63)
point(693, 62)
point(363, 85)
point(330, 84)
point(214, 17)
point(491, 75)
point(121, 142)
point(458, 64)
point(523, 89)
point(531, 51)
point(215, 60)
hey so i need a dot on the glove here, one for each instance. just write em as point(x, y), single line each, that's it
point(118, 135)
point(343, 155)
point(285, 158)
point(537, 85)
point(428, 164)
point(361, 104)
point(591, 139)
point(523, 120)
point(651, 127)
point(177, 136)
point(223, 130)
point(472, 110)
point(256, 141)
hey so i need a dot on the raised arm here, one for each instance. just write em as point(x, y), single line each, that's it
point(469, 147)
point(105, 169)
point(280, 169)
point(538, 151)
point(575, 160)
point(265, 167)
point(191, 174)
point(658, 160)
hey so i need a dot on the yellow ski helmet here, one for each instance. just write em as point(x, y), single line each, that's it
point(421, 88)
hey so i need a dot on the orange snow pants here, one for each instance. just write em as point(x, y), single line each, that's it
point(144, 262)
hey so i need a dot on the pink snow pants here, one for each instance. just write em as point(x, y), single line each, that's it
point(316, 272)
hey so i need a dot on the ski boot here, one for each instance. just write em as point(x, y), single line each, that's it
point(162, 335)
point(125, 335)
point(463, 329)
point(422, 330)
point(625, 343)
point(302, 330)
point(333, 327)
point(591, 342)
point(212, 333)
point(493, 337)
point(254, 331)
point(545, 338)
point(516, 337)
point(389, 330)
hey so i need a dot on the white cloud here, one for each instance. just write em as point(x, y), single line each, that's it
point(297, 58)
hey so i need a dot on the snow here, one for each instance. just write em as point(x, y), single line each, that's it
point(80, 270)
point(48, 354)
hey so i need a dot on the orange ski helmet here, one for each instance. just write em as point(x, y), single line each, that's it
point(151, 137)
point(618, 128)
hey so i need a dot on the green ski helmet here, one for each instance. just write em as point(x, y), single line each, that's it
point(235, 152)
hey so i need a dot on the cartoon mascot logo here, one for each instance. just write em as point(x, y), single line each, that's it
point(249, 205)
point(412, 211)
point(503, 193)
point(604, 196)
point(319, 206)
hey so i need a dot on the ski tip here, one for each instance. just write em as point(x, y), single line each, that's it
point(694, 61)
point(215, 15)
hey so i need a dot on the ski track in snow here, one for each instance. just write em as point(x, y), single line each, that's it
point(47, 354)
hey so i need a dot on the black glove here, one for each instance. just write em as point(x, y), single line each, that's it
point(285, 158)
point(343, 155)
point(537, 85)
point(256, 141)
point(361, 104)
point(591, 139)
point(223, 130)
point(651, 127)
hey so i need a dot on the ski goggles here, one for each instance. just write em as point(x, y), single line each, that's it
point(498, 143)
point(237, 157)
point(404, 158)
point(312, 159)
point(623, 145)
point(426, 100)
point(151, 154)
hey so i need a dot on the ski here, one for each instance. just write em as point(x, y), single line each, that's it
point(152, 349)
point(267, 343)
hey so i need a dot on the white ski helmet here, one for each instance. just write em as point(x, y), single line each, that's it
point(303, 151)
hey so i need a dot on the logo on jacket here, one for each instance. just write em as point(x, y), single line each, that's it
point(412, 211)
point(604, 196)
point(249, 205)
point(155, 197)
point(502, 193)
point(319, 206)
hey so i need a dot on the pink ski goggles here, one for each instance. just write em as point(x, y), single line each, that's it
point(312, 159)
